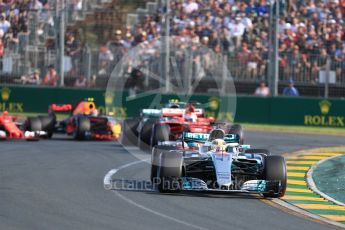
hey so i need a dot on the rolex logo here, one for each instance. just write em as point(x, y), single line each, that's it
point(109, 97)
point(214, 103)
point(5, 94)
point(325, 106)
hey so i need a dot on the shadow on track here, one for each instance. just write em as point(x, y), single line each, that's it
point(143, 186)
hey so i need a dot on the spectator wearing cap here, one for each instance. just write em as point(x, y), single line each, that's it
point(290, 90)
point(116, 45)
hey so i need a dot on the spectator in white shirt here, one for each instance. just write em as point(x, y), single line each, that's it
point(80, 82)
point(190, 6)
point(237, 30)
point(262, 90)
point(4, 24)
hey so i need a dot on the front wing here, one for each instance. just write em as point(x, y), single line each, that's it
point(251, 186)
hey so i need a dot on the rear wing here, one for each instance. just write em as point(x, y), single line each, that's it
point(151, 112)
point(178, 112)
point(60, 108)
point(203, 137)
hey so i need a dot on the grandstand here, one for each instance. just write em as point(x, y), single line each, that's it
point(100, 32)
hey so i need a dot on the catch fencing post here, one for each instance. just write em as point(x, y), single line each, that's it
point(328, 72)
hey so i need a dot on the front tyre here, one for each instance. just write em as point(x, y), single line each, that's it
point(170, 172)
point(155, 160)
point(238, 130)
point(275, 170)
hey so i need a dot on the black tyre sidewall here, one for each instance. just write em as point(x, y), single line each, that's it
point(33, 124)
point(275, 169)
point(170, 170)
point(160, 132)
point(83, 125)
point(144, 136)
point(129, 132)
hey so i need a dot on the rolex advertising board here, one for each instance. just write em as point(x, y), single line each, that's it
point(249, 109)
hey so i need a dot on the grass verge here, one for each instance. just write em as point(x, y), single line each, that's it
point(295, 129)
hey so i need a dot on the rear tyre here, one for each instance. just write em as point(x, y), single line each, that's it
point(275, 170)
point(82, 128)
point(170, 172)
point(48, 124)
point(237, 129)
point(145, 133)
point(33, 124)
point(160, 132)
point(129, 134)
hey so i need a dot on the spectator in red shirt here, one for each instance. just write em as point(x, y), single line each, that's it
point(51, 78)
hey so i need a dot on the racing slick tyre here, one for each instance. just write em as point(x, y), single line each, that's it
point(275, 170)
point(144, 139)
point(83, 126)
point(170, 171)
point(48, 124)
point(33, 124)
point(129, 134)
point(155, 156)
point(160, 132)
point(237, 129)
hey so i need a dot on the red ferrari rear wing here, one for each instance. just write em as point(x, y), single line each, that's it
point(60, 108)
point(178, 112)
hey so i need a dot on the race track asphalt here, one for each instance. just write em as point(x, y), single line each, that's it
point(58, 184)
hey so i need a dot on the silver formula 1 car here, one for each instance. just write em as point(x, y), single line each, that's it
point(216, 162)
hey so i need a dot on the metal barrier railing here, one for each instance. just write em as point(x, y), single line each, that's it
point(38, 48)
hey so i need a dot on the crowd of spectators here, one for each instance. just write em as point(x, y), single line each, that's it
point(310, 32)
point(205, 31)
point(16, 31)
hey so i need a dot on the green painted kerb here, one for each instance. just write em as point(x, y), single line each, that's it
point(329, 178)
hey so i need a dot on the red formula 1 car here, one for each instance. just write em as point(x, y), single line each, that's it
point(31, 129)
point(169, 123)
point(83, 123)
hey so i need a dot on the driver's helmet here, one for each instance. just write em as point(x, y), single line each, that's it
point(218, 145)
point(173, 104)
point(190, 109)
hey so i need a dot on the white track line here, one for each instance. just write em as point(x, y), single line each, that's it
point(107, 185)
point(107, 181)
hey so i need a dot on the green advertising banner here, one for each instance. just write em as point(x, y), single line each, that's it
point(249, 109)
